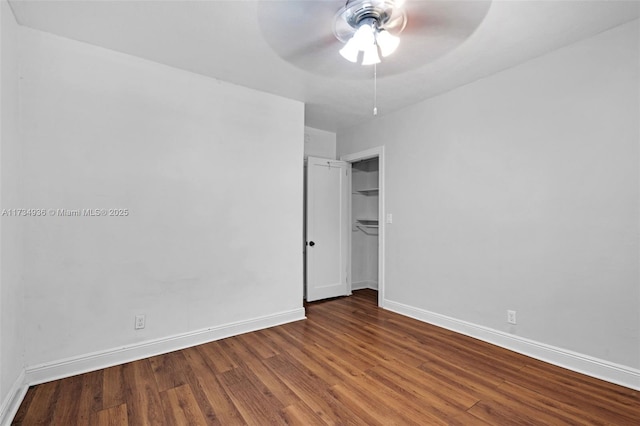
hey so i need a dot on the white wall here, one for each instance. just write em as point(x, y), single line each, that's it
point(319, 143)
point(520, 191)
point(11, 295)
point(212, 179)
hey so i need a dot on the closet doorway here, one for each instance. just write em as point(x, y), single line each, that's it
point(367, 220)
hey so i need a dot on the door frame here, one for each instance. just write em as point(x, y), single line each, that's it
point(353, 158)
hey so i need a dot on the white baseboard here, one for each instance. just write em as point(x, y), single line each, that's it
point(94, 361)
point(12, 401)
point(598, 368)
point(359, 285)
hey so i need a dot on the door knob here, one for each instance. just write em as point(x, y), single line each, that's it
point(311, 243)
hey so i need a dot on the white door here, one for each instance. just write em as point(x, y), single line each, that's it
point(327, 228)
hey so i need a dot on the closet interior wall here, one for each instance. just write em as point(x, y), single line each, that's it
point(364, 217)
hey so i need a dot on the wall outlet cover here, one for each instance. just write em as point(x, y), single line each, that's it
point(140, 322)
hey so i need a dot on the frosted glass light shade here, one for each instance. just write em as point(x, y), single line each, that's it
point(388, 43)
point(350, 51)
point(371, 55)
point(368, 38)
point(364, 37)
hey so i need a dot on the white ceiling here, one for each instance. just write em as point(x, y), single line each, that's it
point(286, 47)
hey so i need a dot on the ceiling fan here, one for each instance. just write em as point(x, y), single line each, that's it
point(371, 27)
point(309, 34)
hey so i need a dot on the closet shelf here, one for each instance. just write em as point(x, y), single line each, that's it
point(367, 222)
point(367, 191)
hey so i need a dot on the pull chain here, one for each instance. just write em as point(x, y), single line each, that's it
point(375, 89)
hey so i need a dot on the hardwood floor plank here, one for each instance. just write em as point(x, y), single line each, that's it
point(399, 399)
point(440, 402)
point(306, 357)
point(349, 363)
point(215, 404)
point(574, 394)
point(91, 396)
point(113, 387)
point(411, 396)
point(312, 390)
point(474, 382)
point(335, 359)
point(112, 416)
point(362, 406)
point(301, 414)
point(514, 395)
point(24, 406)
point(66, 410)
point(597, 388)
point(267, 377)
point(257, 408)
point(42, 405)
point(217, 357)
point(497, 414)
point(169, 370)
point(278, 394)
point(142, 395)
point(181, 408)
point(467, 419)
point(474, 360)
point(260, 344)
point(356, 347)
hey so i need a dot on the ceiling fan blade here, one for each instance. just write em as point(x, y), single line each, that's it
point(311, 48)
point(444, 19)
point(396, 22)
point(295, 29)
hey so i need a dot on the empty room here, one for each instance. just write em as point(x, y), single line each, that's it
point(319, 212)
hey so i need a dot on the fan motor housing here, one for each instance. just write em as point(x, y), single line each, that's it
point(376, 12)
point(361, 11)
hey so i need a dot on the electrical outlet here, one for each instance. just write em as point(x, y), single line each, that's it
point(140, 319)
point(511, 317)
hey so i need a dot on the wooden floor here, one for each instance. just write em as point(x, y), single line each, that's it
point(348, 363)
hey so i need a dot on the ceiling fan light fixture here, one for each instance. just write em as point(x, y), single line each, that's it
point(371, 55)
point(371, 25)
point(364, 36)
point(350, 51)
point(387, 43)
